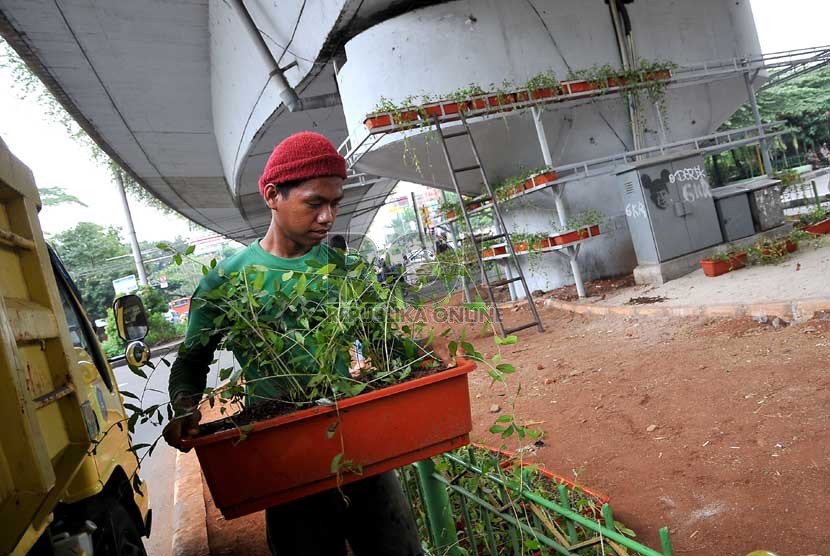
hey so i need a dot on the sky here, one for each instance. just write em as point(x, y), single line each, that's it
point(57, 160)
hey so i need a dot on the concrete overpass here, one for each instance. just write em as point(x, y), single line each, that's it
point(175, 93)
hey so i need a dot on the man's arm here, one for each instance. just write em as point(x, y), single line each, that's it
point(188, 375)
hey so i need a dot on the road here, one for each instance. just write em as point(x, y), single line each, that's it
point(158, 470)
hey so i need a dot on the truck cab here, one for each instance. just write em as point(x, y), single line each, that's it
point(69, 481)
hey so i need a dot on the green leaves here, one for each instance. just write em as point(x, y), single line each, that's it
point(506, 341)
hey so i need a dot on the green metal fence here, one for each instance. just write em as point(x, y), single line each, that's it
point(478, 502)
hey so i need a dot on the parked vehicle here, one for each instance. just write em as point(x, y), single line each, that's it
point(67, 474)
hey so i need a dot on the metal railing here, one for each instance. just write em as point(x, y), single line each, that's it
point(785, 65)
point(480, 502)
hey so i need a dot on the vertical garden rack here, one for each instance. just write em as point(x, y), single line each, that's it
point(784, 65)
point(461, 509)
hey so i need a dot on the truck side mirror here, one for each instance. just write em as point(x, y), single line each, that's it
point(130, 318)
point(137, 354)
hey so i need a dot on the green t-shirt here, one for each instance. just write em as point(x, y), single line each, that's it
point(189, 371)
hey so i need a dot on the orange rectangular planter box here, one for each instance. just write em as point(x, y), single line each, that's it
point(433, 110)
point(716, 268)
point(289, 457)
point(819, 228)
point(373, 122)
point(541, 179)
point(579, 86)
point(544, 92)
point(575, 235)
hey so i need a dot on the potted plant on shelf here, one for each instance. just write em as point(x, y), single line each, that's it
point(721, 263)
point(450, 209)
point(543, 85)
point(540, 177)
point(581, 226)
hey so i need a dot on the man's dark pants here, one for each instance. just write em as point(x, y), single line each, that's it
point(377, 521)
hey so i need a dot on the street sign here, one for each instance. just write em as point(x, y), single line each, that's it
point(125, 285)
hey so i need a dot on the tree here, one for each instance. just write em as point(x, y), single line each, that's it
point(89, 253)
point(402, 225)
point(54, 196)
point(803, 103)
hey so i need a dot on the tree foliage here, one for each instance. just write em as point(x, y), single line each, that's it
point(84, 250)
point(803, 102)
point(54, 196)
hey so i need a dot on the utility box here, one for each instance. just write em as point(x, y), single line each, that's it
point(669, 207)
point(734, 212)
point(765, 202)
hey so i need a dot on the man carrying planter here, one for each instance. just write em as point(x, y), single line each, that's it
point(302, 187)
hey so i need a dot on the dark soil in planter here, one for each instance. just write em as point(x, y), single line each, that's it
point(275, 408)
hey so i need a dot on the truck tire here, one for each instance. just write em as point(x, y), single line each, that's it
point(117, 534)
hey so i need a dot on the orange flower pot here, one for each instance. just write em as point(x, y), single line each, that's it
point(542, 179)
point(290, 456)
point(819, 228)
point(716, 268)
point(500, 250)
point(544, 92)
point(564, 239)
point(450, 107)
point(433, 110)
point(373, 122)
point(542, 244)
point(487, 253)
point(450, 215)
point(580, 86)
point(520, 247)
point(408, 116)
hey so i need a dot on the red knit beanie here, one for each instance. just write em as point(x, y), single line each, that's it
point(302, 156)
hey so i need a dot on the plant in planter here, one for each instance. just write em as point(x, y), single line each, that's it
point(308, 414)
point(464, 99)
point(543, 85)
point(797, 237)
point(817, 221)
point(450, 209)
point(723, 262)
point(581, 226)
point(769, 251)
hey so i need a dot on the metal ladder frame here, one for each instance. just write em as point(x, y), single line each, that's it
point(501, 229)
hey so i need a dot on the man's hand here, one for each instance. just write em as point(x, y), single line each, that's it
point(186, 423)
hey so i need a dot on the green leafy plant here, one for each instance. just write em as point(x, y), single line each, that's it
point(767, 251)
point(585, 219)
point(816, 215)
point(296, 343)
point(543, 80)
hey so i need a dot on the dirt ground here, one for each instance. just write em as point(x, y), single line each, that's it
point(717, 429)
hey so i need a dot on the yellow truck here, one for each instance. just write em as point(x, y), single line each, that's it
point(67, 474)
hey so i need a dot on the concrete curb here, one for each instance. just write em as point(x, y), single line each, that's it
point(795, 311)
point(189, 516)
